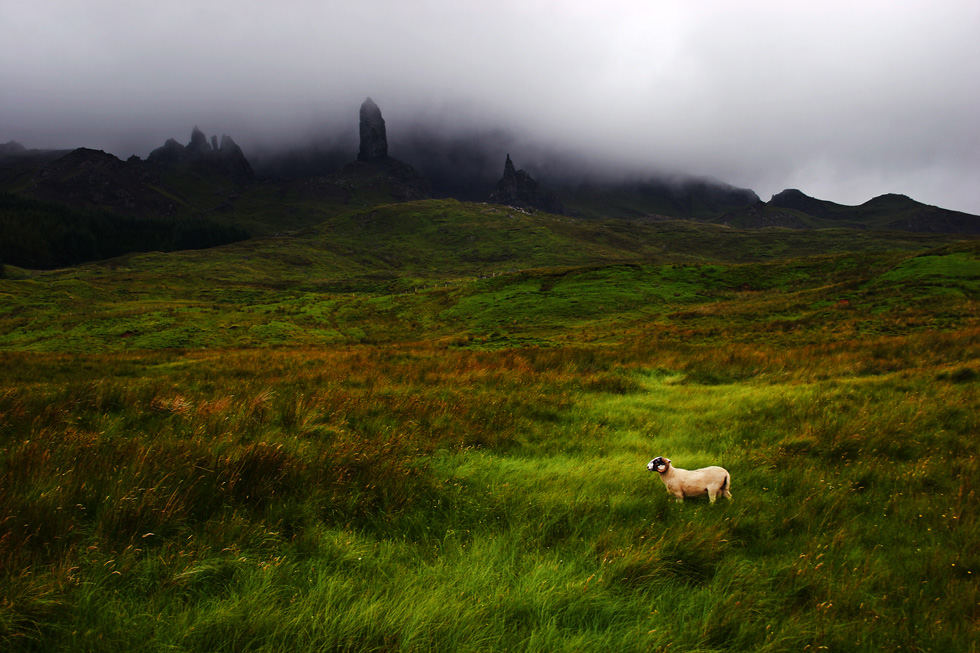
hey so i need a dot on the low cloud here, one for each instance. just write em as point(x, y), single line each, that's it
point(843, 100)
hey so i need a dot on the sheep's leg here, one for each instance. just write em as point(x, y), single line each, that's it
point(726, 488)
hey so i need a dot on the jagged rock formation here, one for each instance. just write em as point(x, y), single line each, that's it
point(374, 138)
point(518, 188)
point(199, 146)
point(227, 157)
point(168, 183)
point(233, 159)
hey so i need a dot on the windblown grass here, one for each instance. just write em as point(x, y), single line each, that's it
point(417, 497)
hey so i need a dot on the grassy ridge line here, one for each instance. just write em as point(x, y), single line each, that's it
point(531, 303)
point(441, 239)
point(405, 272)
point(841, 294)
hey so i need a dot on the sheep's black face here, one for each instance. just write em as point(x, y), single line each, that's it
point(658, 464)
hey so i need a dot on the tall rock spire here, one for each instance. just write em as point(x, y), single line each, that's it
point(509, 168)
point(374, 140)
point(199, 143)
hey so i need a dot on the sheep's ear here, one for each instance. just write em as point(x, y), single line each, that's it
point(666, 461)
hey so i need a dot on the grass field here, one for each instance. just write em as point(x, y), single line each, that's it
point(327, 441)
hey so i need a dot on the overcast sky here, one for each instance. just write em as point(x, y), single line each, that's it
point(844, 100)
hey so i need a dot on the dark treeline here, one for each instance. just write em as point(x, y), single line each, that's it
point(41, 235)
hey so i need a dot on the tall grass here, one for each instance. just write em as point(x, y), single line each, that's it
point(418, 497)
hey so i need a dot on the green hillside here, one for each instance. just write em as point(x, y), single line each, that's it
point(424, 426)
point(418, 270)
point(885, 212)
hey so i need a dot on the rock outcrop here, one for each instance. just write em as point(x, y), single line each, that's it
point(233, 160)
point(205, 155)
point(199, 146)
point(93, 178)
point(374, 138)
point(518, 188)
point(374, 172)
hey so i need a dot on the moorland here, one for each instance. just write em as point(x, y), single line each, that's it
point(424, 425)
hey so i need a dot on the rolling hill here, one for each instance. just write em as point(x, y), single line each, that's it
point(793, 209)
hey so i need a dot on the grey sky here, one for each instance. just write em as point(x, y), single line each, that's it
point(844, 100)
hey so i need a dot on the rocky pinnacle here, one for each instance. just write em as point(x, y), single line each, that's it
point(374, 141)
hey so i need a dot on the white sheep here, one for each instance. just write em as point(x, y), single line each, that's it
point(712, 481)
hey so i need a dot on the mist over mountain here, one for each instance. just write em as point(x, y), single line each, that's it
point(465, 162)
point(442, 158)
point(88, 203)
point(846, 101)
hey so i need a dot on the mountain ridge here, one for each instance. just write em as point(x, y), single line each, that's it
point(890, 212)
point(213, 182)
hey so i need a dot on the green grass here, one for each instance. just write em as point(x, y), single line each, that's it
point(937, 274)
point(306, 444)
point(445, 269)
point(422, 499)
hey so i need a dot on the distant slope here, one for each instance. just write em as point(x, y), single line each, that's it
point(901, 212)
point(674, 198)
point(794, 209)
